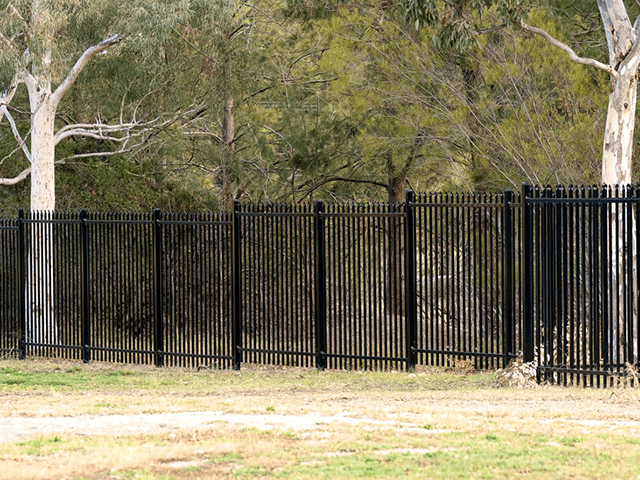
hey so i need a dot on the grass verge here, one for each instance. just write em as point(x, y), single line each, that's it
point(428, 424)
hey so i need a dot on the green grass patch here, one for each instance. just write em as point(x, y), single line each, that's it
point(65, 376)
point(419, 429)
point(40, 446)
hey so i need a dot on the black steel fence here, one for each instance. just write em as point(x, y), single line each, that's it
point(440, 279)
point(581, 272)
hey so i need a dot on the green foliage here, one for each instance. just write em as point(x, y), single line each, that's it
point(542, 115)
point(333, 99)
point(307, 10)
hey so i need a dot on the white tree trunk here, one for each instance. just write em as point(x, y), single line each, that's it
point(43, 155)
point(618, 137)
point(41, 324)
point(616, 170)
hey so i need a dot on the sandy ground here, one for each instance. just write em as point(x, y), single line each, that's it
point(166, 431)
point(23, 420)
point(14, 429)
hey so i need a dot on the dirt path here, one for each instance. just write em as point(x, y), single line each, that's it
point(13, 429)
point(117, 422)
point(302, 413)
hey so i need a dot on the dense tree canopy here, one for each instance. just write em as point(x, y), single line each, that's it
point(297, 100)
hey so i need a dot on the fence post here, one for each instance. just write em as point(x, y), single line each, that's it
point(22, 288)
point(236, 290)
point(410, 297)
point(527, 280)
point(157, 289)
point(507, 275)
point(320, 282)
point(85, 325)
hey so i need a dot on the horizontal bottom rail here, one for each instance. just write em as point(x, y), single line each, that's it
point(466, 354)
point(52, 345)
point(621, 370)
point(196, 355)
point(364, 357)
point(122, 350)
point(276, 352)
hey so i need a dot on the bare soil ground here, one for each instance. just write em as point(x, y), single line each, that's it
point(48, 433)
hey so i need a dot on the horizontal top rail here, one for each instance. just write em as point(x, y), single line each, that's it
point(362, 214)
point(195, 222)
point(582, 200)
point(65, 221)
point(454, 204)
point(275, 214)
point(117, 222)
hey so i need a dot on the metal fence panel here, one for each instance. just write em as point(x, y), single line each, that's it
point(10, 289)
point(584, 247)
point(196, 289)
point(460, 278)
point(365, 286)
point(277, 284)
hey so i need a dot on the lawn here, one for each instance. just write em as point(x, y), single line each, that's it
point(69, 420)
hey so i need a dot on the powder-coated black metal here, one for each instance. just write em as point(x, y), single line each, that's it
point(86, 307)
point(441, 279)
point(582, 296)
point(411, 318)
point(320, 281)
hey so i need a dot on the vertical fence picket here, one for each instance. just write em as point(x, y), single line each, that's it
point(84, 258)
point(320, 282)
point(508, 274)
point(158, 296)
point(410, 281)
point(236, 335)
point(22, 287)
point(528, 281)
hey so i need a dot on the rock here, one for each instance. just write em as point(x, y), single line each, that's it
point(518, 374)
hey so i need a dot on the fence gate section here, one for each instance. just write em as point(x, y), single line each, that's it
point(581, 303)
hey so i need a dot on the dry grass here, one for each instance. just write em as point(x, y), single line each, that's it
point(415, 422)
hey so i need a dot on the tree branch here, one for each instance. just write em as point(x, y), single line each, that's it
point(204, 54)
point(22, 176)
point(80, 64)
point(6, 96)
point(631, 57)
point(99, 131)
point(566, 48)
point(16, 133)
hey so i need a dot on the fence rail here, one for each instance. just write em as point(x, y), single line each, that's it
point(582, 272)
point(440, 278)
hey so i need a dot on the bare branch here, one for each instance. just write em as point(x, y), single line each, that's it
point(129, 136)
point(80, 64)
point(6, 96)
point(16, 133)
point(12, 181)
point(325, 181)
point(22, 176)
point(567, 49)
point(100, 131)
point(109, 153)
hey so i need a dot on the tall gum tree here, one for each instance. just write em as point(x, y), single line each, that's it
point(459, 22)
point(44, 46)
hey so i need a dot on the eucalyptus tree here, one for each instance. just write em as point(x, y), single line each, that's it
point(45, 46)
point(36, 51)
point(459, 24)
